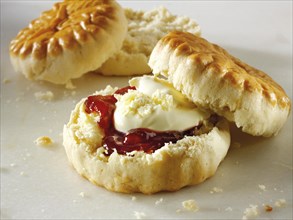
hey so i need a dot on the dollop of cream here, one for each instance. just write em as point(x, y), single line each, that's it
point(156, 105)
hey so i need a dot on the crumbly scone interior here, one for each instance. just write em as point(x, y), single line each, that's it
point(145, 29)
point(87, 130)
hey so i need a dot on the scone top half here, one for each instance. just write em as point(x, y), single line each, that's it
point(71, 39)
point(212, 78)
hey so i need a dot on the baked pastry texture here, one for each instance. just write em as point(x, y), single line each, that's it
point(145, 29)
point(189, 161)
point(212, 78)
point(72, 38)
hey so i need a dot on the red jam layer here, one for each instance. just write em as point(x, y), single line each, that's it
point(139, 139)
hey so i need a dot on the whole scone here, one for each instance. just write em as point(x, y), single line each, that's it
point(148, 138)
point(212, 78)
point(145, 29)
point(71, 39)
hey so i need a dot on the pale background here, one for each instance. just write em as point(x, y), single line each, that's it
point(38, 183)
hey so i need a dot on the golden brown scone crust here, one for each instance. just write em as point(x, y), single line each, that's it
point(69, 27)
point(211, 77)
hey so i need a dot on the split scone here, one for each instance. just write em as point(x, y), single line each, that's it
point(69, 40)
point(146, 138)
point(213, 79)
point(145, 29)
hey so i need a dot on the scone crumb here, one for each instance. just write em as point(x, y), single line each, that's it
point(280, 202)
point(190, 205)
point(228, 209)
point(159, 201)
point(82, 194)
point(216, 190)
point(262, 187)
point(139, 215)
point(250, 212)
point(17, 99)
point(12, 164)
point(69, 85)
point(268, 208)
point(133, 198)
point(6, 80)
point(44, 96)
point(44, 141)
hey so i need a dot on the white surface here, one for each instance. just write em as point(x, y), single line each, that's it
point(37, 182)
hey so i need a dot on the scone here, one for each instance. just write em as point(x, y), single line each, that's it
point(213, 79)
point(69, 40)
point(145, 29)
point(144, 138)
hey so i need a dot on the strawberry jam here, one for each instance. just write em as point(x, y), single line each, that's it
point(139, 139)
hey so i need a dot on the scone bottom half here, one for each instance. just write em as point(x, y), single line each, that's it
point(142, 159)
point(71, 39)
point(213, 79)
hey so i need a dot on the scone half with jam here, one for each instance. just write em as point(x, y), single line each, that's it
point(146, 137)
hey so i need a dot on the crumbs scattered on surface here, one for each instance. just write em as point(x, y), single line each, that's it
point(280, 203)
point(82, 194)
point(250, 212)
point(22, 173)
point(67, 93)
point(159, 201)
point(216, 190)
point(44, 96)
point(189, 205)
point(6, 80)
point(268, 208)
point(262, 187)
point(43, 141)
point(69, 85)
point(139, 215)
point(133, 198)
point(228, 209)
point(12, 164)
